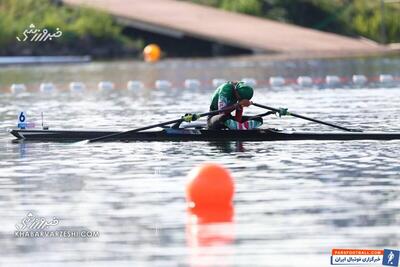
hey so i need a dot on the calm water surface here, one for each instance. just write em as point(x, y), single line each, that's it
point(294, 201)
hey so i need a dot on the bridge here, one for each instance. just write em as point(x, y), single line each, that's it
point(178, 19)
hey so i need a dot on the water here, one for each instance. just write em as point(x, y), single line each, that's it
point(294, 201)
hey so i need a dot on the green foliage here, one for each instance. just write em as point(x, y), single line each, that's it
point(349, 17)
point(75, 23)
point(253, 7)
point(82, 21)
point(367, 20)
point(214, 3)
point(94, 23)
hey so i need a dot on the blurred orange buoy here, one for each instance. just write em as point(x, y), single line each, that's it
point(210, 186)
point(206, 215)
point(152, 53)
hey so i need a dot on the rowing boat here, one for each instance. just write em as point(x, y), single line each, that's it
point(171, 134)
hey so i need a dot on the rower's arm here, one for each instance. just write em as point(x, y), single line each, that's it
point(225, 100)
point(223, 103)
point(228, 109)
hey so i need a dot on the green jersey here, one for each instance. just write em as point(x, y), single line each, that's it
point(223, 97)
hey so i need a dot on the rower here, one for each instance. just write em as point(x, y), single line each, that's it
point(230, 96)
point(237, 95)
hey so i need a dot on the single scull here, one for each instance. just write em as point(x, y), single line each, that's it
point(176, 135)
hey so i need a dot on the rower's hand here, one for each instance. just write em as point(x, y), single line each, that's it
point(283, 112)
point(244, 103)
point(189, 117)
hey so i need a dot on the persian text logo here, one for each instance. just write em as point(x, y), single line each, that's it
point(32, 226)
point(31, 222)
point(38, 35)
point(385, 257)
point(356, 257)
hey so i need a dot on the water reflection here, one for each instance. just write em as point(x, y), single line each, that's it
point(210, 235)
point(228, 147)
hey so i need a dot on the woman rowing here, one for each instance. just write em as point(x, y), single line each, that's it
point(237, 95)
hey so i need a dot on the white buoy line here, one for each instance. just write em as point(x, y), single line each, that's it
point(193, 84)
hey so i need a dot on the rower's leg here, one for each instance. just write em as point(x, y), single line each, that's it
point(246, 124)
point(254, 118)
point(217, 122)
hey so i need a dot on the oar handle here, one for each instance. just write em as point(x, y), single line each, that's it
point(309, 119)
point(102, 138)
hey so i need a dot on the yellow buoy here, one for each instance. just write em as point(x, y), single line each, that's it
point(152, 53)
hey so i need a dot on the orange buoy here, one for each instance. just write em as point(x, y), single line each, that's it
point(210, 186)
point(152, 53)
point(206, 215)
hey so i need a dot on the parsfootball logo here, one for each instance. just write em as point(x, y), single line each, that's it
point(385, 257)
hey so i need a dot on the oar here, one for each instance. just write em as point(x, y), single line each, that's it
point(102, 138)
point(261, 115)
point(307, 118)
